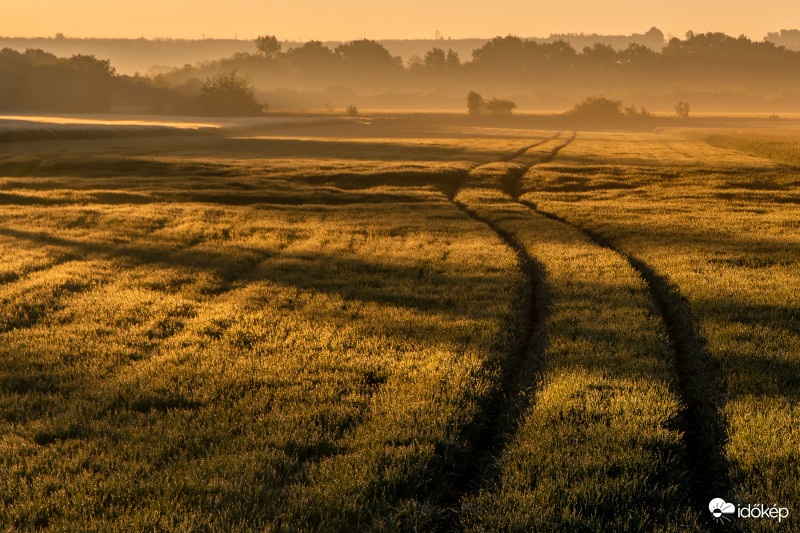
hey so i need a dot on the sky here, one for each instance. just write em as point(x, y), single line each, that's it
point(413, 19)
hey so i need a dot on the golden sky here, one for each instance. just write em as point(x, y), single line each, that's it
point(354, 19)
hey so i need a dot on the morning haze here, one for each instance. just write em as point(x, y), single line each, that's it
point(317, 278)
point(412, 19)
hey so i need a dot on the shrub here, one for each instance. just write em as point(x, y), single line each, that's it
point(225, 95)
point(497, 107)
point(352, 111)
point(597, 108)
point(476, 105)
point(632, 112)
point(682, 109)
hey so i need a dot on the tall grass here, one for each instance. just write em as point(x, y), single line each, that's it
point(730, 247)
point(288, 330)
point(599, 446)
point(244, 367)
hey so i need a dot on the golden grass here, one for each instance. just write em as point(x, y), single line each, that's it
point(599, 446)
point(276, 361)
point(726, 237)
point(290, 327)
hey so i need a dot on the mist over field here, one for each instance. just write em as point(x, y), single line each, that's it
point(713, 71)
point(507, 284)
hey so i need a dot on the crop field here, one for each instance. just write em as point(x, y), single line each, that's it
point(398, 323)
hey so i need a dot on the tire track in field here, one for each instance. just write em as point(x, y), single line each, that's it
point(512, 182)
point(700, 384)
point(501, 410)
point(512, 175)
point(521, 151)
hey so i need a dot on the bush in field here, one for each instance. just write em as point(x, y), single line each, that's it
point(632, 112)
point(597, 108)
point(682, 109)
point(498, 107)
point(352, 111)
point(225, 95)
point(476, 105)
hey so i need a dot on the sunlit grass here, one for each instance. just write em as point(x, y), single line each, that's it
point(294, 329)
point(734, 256)
point(600, 445)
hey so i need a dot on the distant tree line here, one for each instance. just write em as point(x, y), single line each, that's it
point(504, 66)
point(511, 55)
point(40, 81)
point(512, 65)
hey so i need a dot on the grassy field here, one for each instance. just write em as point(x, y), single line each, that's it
point(398, 324)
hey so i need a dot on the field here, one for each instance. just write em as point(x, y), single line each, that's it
point(397, 323)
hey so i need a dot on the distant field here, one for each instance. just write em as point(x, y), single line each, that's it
point(397, 323)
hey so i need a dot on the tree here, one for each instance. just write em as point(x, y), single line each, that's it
point(268, 45)
point(682, 109)
point(498, 108)
point(91, 65)
point(436, 59)
point(225, 95)
point(475, 103)
point(597, 108)
point(452, 61)
point(632, 112)
point(312, 55)
point(368, 54)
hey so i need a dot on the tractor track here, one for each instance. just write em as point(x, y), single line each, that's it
point(502, 408)
point(699, 383)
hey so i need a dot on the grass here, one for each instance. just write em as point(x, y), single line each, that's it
point(731, 251)
point(599, 446)
point(245, 366)
point(283, 327)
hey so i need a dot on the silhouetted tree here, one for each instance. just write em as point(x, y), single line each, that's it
point(600, 56)
point(369, 54)
point(632, 112)
point(475, 103)
point(682, 109)
point(452, 61)
point(268, 45)
point(436, 59)
point(498, 107)
point(225, 95)
point(312, 55)
point(597, 108)
point(501, 52)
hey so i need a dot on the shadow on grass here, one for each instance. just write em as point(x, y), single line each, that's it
point(700, 382)
point(350, 277)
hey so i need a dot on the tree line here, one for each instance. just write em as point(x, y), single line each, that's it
point(40, 81)
point(512, 55)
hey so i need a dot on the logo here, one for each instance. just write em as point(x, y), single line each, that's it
point(719, 508)
point(723, 511)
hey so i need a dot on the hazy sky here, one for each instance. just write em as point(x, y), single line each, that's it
point(354, 19)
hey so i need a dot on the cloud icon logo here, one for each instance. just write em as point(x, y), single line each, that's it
point(719, 508)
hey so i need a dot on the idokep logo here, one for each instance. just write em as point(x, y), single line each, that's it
point(720, 508)
point(724, 511)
